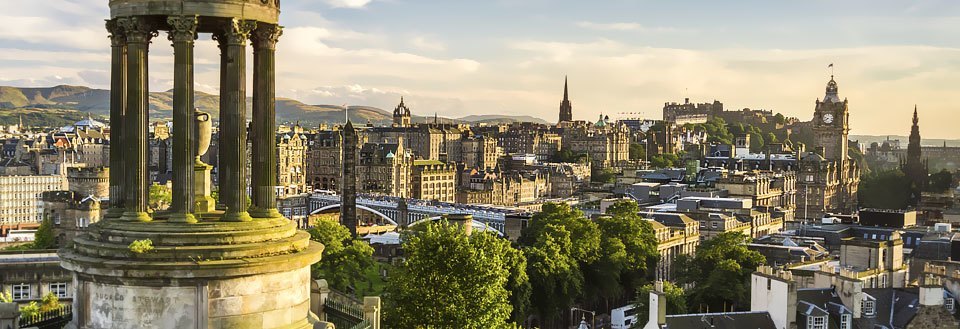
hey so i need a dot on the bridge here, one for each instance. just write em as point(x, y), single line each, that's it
point(400, 211)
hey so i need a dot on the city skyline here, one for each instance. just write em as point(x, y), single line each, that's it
point(510, 56)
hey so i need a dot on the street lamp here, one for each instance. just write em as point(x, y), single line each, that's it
point(593, 316)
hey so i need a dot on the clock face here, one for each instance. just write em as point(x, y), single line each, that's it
point(828, 118)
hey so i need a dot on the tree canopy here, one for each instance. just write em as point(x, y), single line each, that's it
point(343, 257)
point(450, 280)
point(720, 271)
point(628, 249)
point(889, 189)
point(45, 238)
point(940, 181)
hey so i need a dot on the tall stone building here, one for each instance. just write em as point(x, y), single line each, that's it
point(434, 180)
point(915, 166)
point(348, 170)
point(323, 160)
point(384, 168)
point(607, 143)
point(828, 178)
point(291, 162)
point(566, 108)
point(248, 266)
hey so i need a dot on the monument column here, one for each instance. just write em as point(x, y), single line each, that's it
point(233, 123)
point(263, 126)
point(183, 32)
point(138, 35)
point(118, 94)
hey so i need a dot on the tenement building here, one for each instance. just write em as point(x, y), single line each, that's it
point(384, 168)
point(291, 162)
point(248, 266)
point(323, 160)
point(434, 180)
point(20, 196)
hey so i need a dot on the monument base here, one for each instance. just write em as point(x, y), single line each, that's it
point(210, 274)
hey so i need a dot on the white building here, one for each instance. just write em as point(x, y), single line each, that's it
point(20, 197)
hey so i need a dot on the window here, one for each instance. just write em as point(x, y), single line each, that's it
point(868, 308)
point(59, 289)
point(817, 322)
point(949, 304)
point(21, 291)
point(845, 321)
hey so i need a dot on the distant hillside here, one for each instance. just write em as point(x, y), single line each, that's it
point(97, 102)
point(498, 119)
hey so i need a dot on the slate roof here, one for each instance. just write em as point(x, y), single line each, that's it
point(732, 320)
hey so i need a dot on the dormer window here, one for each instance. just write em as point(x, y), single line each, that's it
point(950, 304)
point(869, 308)
point(817, 322)
point(846, 321)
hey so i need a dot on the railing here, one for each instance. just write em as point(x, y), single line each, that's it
point(344, 311)
point(52, 319)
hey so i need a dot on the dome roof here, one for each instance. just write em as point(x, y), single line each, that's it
point(89, 122)
point(831, 94)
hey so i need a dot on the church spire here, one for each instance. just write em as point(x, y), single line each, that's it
point(566, 109)
point(566, 95)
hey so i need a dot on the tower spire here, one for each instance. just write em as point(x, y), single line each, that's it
point(566, 109)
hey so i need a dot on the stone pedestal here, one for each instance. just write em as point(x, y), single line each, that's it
point(210, 274)
point(9, 315)
point(203, 188)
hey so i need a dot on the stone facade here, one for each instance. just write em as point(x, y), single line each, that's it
point(323, 160)
point(291, 162)
point(434, 180)
point(384, 168)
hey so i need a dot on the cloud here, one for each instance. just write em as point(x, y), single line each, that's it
point(421, 42)
point(348, 3)
point(622, 26)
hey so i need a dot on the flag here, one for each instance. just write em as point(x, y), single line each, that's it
point(831, 65)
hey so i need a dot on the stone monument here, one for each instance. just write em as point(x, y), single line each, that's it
point(190, 266)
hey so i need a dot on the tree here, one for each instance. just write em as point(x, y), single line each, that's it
point(450, 280)
point(555, 275)
point(5, 297)
point(674, 297)
point(44, 238)
point(160, 197)
point(559, 242)
point(584, 233)
point(628, 249)
point(780, 119)
point(940, 181)
point(343, 257)
point(889, 189)
point(606, 175)
point(638, 151)
point(666, 160)
point(720, 271)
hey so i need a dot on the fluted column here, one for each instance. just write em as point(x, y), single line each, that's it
point(118, 94)
point(183, 32)
point(263, 126)
point(233, 132)
point(138, 34)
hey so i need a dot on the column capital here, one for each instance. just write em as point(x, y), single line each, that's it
point(182, 28)
point(235, 32)
point(118, 37)
point(136, 29)
point(266, 37)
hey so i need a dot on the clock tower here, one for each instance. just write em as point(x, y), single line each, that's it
point(831, 124)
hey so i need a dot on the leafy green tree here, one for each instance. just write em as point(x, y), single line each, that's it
point(666, 160)
point(5, 297)
point(160, 197)
point(555, 275)
point(343, 257)
point(889, 189)
point(780, 119)
point(638, 151)
point(720, 271)
point(757, 142)
point(44, 238)
point(628, 249)
point(584, 233)
point(940, 181)
point(606, 175)
point(569, 156)
point(450, 280)
point(675, 299)
point(29, 310)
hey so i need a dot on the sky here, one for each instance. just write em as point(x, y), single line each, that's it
point(623, 58)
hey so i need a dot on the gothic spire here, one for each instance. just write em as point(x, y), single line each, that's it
point(566, 95)
point(916, 119)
